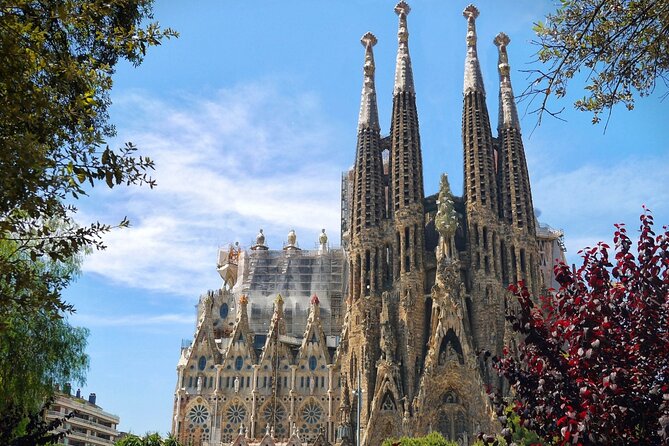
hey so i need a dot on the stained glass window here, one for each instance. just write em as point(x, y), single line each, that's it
point(202, 363)
point(198, 414)
point(312, 412)
point(313, 362)
point(223, 311)
point(239, 363)
point(236, 414)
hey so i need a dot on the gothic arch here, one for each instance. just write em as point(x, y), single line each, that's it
point(311, 417)
point(234, 414)
point(198, 422)
point(452, 420)
point(274, 414)
point(450, 349)
point(388, 402)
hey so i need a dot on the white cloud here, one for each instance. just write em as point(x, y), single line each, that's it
point(227, 165)
point(588, 200)
point(132, 320)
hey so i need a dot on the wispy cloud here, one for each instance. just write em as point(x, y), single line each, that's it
point(244, 158)
point(586, 201)
point(132, 320)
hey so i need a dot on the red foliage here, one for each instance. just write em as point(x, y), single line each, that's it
point(594, 365)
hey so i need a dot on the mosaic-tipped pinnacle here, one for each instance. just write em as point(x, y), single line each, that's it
point(502, 39)
point(470, 12)
point(402, 8)
point(368, 39)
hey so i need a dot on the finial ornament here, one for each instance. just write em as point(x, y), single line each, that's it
point(368, 39)
point(368, 111)
point(402, 8)
point(471, 13)
point(260, 241)
point(508, 114)
point(403, 73)
point(473, 78)
point(502, 41)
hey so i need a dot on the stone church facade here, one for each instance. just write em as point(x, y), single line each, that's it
point(378, 338)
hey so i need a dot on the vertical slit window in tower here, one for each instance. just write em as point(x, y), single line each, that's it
point(415, 246)
point(476, 234)
point(190, 381)
point(514, 264)
point(494, 252)
point(532, 271)
point(505, 271)
point(227, 382)
point(407, 249)
point(367, 272)
point(248, 381)
point(487, 264)
point(485, 237)
point(522, 260)
point(477, 258)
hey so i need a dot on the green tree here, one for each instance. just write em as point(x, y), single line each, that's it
point(150, 439)
point(619, 47)
point(57, 59)
point(37, 350)
point(431, 439)
point(17, 429)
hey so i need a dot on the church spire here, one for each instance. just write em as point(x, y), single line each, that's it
point(368, 189)
point(480, 189)
point(403, 72)
point(508, 114)
point(369, 114)
point(406, 196)
point(473, 78)
point(515, 194)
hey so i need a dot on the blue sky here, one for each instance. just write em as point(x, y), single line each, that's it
point(251, 118)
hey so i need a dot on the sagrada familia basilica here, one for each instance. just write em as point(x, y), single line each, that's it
point(379, 338)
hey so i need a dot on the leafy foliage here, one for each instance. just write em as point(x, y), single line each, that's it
point(431, 439)
point(150, 439)
point(594, 366)
point(618, 46)
point(17, 429)
point(512, 434)
point(56, 64)
point(38, 348)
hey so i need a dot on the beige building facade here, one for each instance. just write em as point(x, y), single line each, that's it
point(89, 426)
point(378, 338)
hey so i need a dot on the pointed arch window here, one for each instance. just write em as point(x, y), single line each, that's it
point(239, 363)
point(388, 402)
point(224, 310)
point(313, 363)
point(202, 363)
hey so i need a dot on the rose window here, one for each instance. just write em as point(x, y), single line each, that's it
point(312, 413)
point(274, 414)
point(236, 414)
point(198, 414)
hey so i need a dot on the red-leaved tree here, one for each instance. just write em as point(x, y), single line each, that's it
point(593, 368)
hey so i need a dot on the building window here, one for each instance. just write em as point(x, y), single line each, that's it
point(239, 363)
point(202, 363)
point(223, 311)
point(313, 362)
